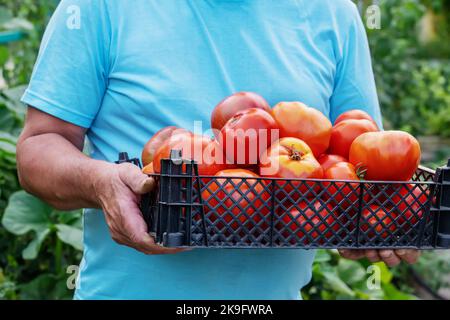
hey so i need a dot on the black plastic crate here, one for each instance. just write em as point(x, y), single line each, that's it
point(192, 211)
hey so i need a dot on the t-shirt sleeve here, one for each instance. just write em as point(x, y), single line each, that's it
point(70, 75)
point(354, 86)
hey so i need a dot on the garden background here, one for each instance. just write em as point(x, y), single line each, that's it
point(411, 54)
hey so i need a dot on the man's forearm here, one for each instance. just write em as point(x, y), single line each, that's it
point(53, 169)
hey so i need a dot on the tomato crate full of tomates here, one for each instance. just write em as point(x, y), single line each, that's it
point(188, 210)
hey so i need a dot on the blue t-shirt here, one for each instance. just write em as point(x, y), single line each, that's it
point(125, 69)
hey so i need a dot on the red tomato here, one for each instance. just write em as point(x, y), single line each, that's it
point(291, 158)
point(235, 200)
point(387, 155)
point(355, 114)
point(327, 160)
point(228, 107)
point(297, 120)
point(345, 132)
point(409, 201)
point(313, 221)
point(158, 139)
point(378, 221)
point(203, 150)
point(246, 135)
point(344, 194)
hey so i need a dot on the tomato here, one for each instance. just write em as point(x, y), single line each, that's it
point(378, 222)
point(409, 201)
point(204, 150)
point(344, 194)
point(314, 221)
point(345, 132)
point(246, 135)
point(157, 141)
point(148, 169)
point(228, 107)
point(355, 114)
point(297, 120)
point(235, 200)
point(327, 160)
point(386, 155)
point(291, 158)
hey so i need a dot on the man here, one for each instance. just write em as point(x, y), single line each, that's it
point(125, 69)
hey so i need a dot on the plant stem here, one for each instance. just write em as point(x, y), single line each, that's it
point(58, 256)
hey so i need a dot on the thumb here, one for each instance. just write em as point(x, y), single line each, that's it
point(137, 181)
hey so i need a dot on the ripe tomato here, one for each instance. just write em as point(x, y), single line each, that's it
point(291, 158)
point(246, 135)
point(387, 155)
point(158, 139)
point(327, 160)
point(240, 101)
point(205, 151)
point(409, 201)
point(378, 222)
point(345, 132)
point(297, 120)
point(148, 169)
point(355, 114)
point(344, 194)
point(235, 200)
point(313, 221)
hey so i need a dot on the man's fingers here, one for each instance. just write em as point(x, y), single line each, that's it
point(137, 181)
point(408, 255)
point(389, 257)
point(352, 254)
point(147, 245)
point(372, 255)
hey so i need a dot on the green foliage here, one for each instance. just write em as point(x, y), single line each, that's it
point(29, 16)
point(413, 80)
point(336, 278)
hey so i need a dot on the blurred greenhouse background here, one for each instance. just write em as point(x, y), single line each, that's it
point(411, 54)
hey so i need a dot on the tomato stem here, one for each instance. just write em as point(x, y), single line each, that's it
point(295, 154)
point(361, 171)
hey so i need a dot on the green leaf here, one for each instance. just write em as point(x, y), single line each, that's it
point(322, 256)
point(26, 213)
point(32, 249)
point(336, 284)
point(70, 235)
point(392, 293)
point(45, 286)
point(386, 274)
point(350, 271)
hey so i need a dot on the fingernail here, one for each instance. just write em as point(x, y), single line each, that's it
point(401, 252)
point(386, 254)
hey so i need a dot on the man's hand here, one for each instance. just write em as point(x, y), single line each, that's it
point(390, 257)
point(118, 189)
point(51, 148)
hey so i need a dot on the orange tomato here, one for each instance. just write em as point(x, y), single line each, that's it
point(297, 120)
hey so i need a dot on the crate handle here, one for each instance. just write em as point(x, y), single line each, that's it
point(442, 206)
